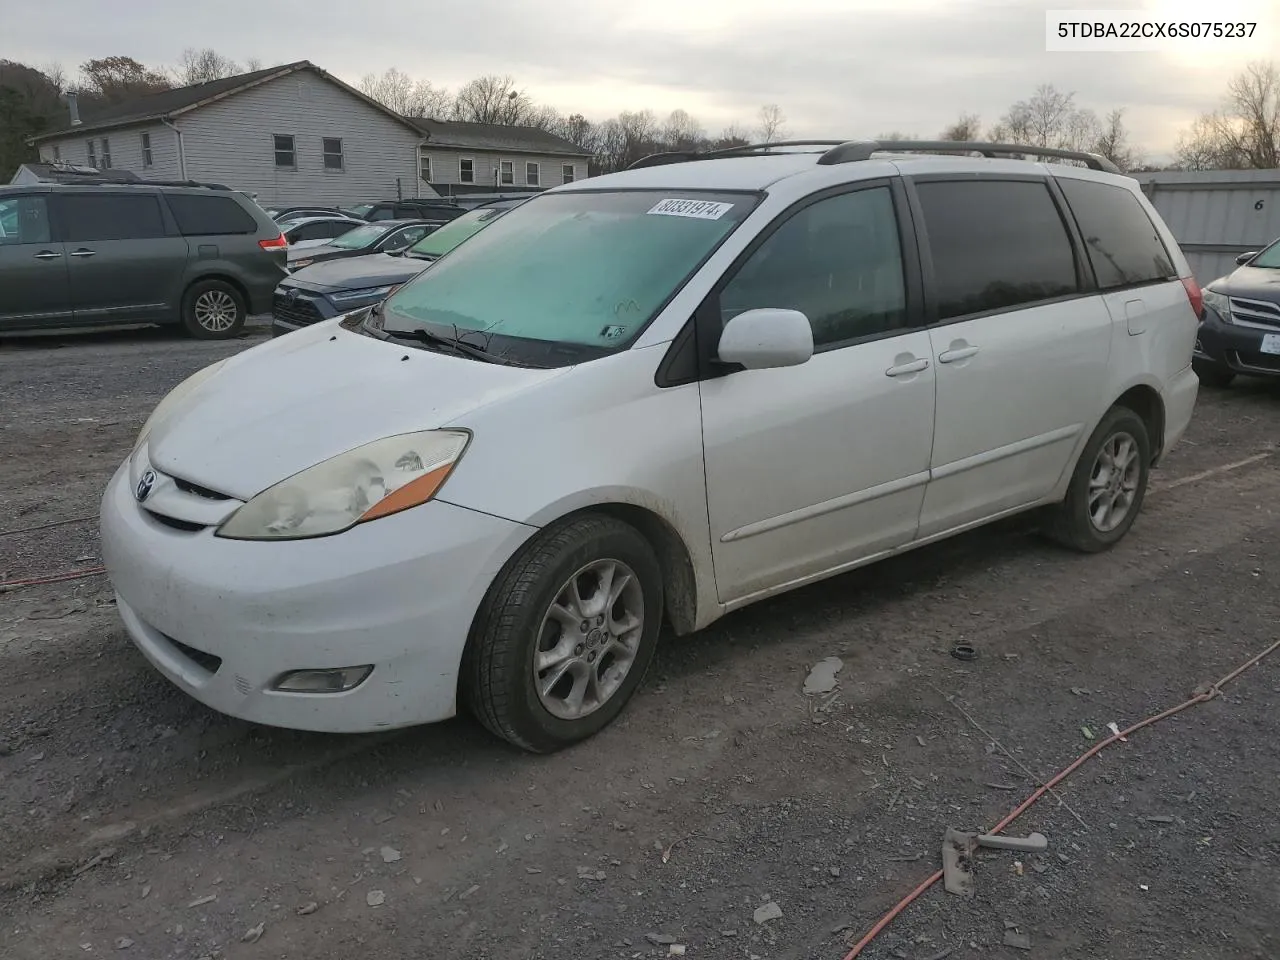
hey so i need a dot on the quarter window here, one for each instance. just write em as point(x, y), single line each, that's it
point(1120, 239)
point(111, 216)
point(286, 156)
point(532, 174)
point(333, 159)
point(838, 261)
point(199, 215)
point(995, 244)
point(466, 170)
point(506, 172)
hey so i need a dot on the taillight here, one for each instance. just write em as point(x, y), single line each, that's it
point(1195, 295)
point(275, 243)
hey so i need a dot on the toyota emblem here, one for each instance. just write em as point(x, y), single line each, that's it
point(145, 483)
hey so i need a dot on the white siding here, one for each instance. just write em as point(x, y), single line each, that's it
point(445, 166)
point(231, 142)
point(126, 150)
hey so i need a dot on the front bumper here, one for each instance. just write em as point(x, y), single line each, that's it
point(1236, 347)
point(223, 619)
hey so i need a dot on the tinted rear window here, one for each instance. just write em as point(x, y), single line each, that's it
point(995, 244)
point(111, 216)
point(198, 215)
point(1123, 245)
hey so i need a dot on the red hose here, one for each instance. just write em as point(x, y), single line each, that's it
point(56, 577)
point(1203, 697)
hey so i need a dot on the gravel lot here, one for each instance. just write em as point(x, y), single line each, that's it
point(136, 823)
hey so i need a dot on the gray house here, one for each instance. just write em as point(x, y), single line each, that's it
point(297, 134)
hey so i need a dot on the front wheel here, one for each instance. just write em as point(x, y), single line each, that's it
point(213, 310)
point(1212, 374)
point(565, 634)
point(1107, 487)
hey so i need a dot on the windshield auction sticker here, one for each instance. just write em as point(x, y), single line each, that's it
point(697, 209)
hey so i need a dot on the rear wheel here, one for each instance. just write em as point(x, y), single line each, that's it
point(213, 310)
point(1213, 374)
point(1107, 487)
point(565, 635)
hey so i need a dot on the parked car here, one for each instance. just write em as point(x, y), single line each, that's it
point(385, 236)
point(281, 214)
point(324, 290)
point(652, 397)
point(135, 252)
point(434, 209)
point(318, 228)
point(1241, 328)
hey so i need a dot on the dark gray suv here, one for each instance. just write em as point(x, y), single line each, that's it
point(202, 255)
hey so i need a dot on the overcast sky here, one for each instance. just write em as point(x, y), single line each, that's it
point(838, 68)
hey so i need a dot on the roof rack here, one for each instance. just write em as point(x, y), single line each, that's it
point(110, 182)
point(847, 151)
point(863, 149)
point(746, 150)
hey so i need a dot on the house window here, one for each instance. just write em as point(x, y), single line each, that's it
point(532, 174)
point(93, 155)
point(332, 153)
point(106, 154)
point(466, 170)
point(506, 172)
point(285, 155)
point(566, 172)
point(57, 152)
point(146, 150)
point(424, 168)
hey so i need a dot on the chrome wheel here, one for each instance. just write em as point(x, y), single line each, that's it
point(1113, 483)
point(216, 311)
point(588, 640)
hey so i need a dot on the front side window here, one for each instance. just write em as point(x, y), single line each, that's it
point(286, 157)
point(532, 174)
point(399, 240)
point(333, 159)
point(838, 261)
point(23, 220)
point(995, 244)
point(360, 237)
point(566, 172)
point(106, 154)
point(506, 172)
point(1119, 238)
point(111, 216)
point(146, 150)
point(1269, 258)
point(567, 277)
point(466, 170)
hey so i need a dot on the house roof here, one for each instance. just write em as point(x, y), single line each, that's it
point(166, 104)
point(495, 137)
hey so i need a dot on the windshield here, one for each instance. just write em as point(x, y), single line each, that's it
point(359, 210)
point(569, 276)
point(359, 238)
point(441, 241)
point(1269, 257)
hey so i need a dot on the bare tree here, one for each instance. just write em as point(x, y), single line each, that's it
point(896, 135)
point(734, 135)
point(394, 89)
point(203, 65)
point(1245, 132)
point(772, 123)
point(428, 100)
point(1112, 142)
point(681, 132)
point(116, 79)
point(968, 126)
point(493, 99)
point(252, 63)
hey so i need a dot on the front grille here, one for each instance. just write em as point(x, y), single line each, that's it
point(1255, 311)
point(186, 486)
point(296, 310)
point(206, 660)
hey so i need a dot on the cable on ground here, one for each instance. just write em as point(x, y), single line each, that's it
point(55, 577)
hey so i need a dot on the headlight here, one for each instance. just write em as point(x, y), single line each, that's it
point(371, 481)
point(368, 293)
point(165, 406)
point(1220, 302)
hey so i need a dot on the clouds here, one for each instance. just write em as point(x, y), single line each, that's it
point(837, 68)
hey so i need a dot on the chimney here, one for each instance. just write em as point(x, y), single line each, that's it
point(74, 106)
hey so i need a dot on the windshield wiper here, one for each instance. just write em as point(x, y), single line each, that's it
point(471, 350)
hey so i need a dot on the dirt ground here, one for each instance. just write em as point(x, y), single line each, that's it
point(136, 823)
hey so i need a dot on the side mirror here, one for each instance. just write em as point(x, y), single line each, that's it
point(766, 338)
point(1246, 257)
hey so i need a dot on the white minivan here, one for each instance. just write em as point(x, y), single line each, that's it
point(643, 399)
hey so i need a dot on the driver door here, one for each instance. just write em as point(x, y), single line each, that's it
point(813, 468)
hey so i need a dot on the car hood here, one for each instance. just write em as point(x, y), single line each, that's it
point(296, 401)
point(352, 273)
point(1260, 283)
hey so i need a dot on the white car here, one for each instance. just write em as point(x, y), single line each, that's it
point(643, 399)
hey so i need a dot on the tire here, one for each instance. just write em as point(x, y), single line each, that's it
point(1072, 523)
point(500, 684)
point(213, 310)
point(1213, 374)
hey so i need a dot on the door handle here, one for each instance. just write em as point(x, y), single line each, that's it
point(83, 253)
point(957, 353)
point(911, 366)
point(47, 255)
